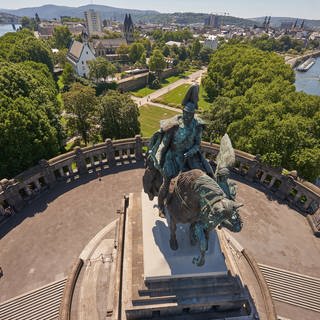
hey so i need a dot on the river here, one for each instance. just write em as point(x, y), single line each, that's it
point(4, 28)
point(309, 81)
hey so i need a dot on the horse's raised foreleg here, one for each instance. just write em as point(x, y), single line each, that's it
point(193, 238)
point(201, 237)
point(207, 233)
point(173, 239)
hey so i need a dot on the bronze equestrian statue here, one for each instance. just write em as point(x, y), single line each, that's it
point(185, 183)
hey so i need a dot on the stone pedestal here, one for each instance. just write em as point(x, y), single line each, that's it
point(158, 282)
point(166, 263)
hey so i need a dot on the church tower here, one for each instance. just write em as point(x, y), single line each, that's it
point(128, 29)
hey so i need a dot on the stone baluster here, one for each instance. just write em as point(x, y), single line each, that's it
point(307, 203)
point(13, 196)
point(100, 159)
point(287, 184)
point(1, 210)
point(48, 172)
point(241, 168)
point(37, 184)
point(254, 166)
point(70, 169)
point(128, 153)
point(297, 197)
point(110, 153)
point(93, 166)
point(273, 180)
point(121, 154)
point(28, 190)
point(61, 172)
point(138, 148)
point(80, 161)
point(263, 176)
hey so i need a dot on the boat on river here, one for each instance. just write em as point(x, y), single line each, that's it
point(305, 66)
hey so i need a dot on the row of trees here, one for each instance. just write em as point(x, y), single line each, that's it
point(255, 101)
point(285, 43)
point(23, 46)
point(29, 116)
point(112, 115)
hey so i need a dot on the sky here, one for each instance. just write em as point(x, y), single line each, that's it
point(308, 9)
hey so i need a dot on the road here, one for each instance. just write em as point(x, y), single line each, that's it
point(294, 60)
point(194, 77)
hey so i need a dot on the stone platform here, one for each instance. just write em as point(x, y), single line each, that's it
point(158, 282)
point(165, 263)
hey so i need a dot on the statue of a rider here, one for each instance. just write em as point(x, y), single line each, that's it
point(175, 147)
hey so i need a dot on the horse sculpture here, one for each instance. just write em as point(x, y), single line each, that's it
point(197, 199)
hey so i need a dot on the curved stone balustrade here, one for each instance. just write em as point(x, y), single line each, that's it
point(16, 193)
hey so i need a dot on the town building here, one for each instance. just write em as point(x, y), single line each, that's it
point(174, 43)
point(211, 42)
point(213, 21)
point(93, 22)
point(103, 47)
point(128, 29)
point(78, 55)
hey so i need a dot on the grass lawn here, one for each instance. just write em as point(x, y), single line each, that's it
point(175, 96)
point(165, 82)
point(150, 117)
point(142, 92)
point(60, 83)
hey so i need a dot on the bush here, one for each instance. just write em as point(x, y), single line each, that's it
point(155, 84)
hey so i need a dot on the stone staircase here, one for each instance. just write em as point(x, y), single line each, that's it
point(40, 304)
point(293, 288)
point(183, 290)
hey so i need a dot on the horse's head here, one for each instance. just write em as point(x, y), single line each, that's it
point(227, 210)
point(152, 179)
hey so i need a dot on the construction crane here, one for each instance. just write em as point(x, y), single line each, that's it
point(268, 24)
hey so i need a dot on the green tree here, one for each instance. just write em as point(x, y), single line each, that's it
point(136, 51)
point(28, 23)
point(68, 76)
point(123, 49)
point(183, 54)
point(61, 37)
point(81, 105)
point(23, 46)
point(119, 116)
point(256, 102)
point(157, 62)
point(29, 116)
point(195, 49)
point(205, 55)
point(60, 57)
point(101, 68)
point(166, 51)
point(26, 136)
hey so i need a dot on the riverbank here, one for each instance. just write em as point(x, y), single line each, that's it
point(4, 28)
point(309, 81)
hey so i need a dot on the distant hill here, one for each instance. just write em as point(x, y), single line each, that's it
point(7, 18)
point(52, 11)
point(107, 12)
point(276, 21)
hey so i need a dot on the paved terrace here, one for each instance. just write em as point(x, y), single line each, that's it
point(40, 244)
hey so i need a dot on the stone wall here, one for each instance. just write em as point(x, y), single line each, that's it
point(16, 193)
point(133, 83)
point(168, 73)
point(141, 80)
